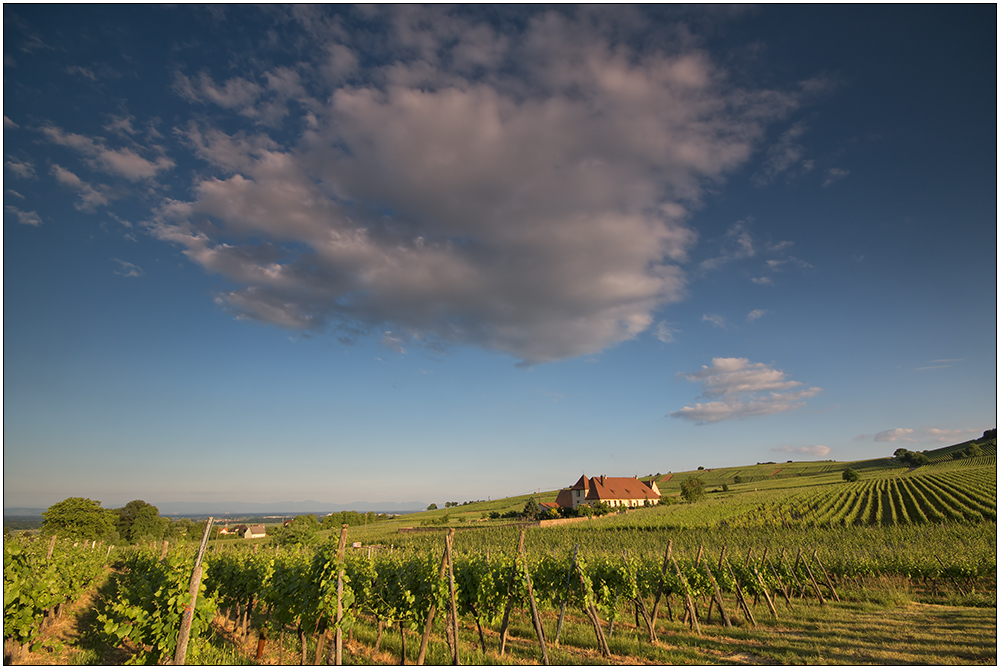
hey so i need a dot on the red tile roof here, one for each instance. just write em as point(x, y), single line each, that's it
point(607, 487)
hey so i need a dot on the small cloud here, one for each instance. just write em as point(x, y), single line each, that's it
point(84, 72)
point(715, 319)
point(778, 265)
point(128, 269)
point(7, 123)
point(24, 217)
point(816, 451)
point(14, 193)
point(833, 175)
point(763, 281)
point(919, 435)
point(91, 197)
point(392, 342)
point(739, 389)
point(738, 243)
point(25, 170)
point(895, 434)
point(755, 314)
point(665, 333)
point(783, 157)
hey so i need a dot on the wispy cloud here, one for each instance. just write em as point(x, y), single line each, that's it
point(24, 169)
point(665, 332)
point(755, 314)
point(919, 435)
point(833, 175)
point(392, 342)
point(739, 388)
point(128, 269)
point(785, 156)
point(738, 243)
point(715, 319)
point(91, 197)
point(939, 364)
point(23, 217)
point(124, 162)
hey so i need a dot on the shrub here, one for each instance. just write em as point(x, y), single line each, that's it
point(692, 490)
point(851, 476)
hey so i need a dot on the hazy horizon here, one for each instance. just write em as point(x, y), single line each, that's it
point(458, 253)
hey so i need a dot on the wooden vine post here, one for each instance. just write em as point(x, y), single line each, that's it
point(783, 589)
point(510, 599)
point(591, 611)
point(763, 589)
point(185, 632)
point(455, 660)
point(812, 578)
point(718, 599)
point(562, 606)
point(826, 576)
point(739, 596)
point(688, 602)
point(338, 638)
point(536, 619)
point(433, 609)
point(659, 590)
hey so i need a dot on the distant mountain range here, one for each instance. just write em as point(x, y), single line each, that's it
point(259, 508)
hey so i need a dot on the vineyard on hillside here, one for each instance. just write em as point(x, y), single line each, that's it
point(967, 494)
point(559, 594)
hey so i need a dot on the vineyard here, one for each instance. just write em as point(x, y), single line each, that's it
point(678, 583)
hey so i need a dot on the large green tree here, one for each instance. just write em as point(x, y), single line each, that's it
point(139, 520)
point(78, 518)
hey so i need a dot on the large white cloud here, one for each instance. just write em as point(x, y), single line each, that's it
point(523, 191)
point(738, 388)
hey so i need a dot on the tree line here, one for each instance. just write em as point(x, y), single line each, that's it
point(85, 519)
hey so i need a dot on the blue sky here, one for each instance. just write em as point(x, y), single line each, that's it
point(400, 253)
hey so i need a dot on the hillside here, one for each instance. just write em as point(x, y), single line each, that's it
point(753, 487)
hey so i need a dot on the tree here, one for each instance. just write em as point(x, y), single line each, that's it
point(692, 490)
point(910, 458)
point(139, 520)
point(432, 507)
point(302, 531)
point(850, 475)
point(78, 518)
point(737, 479)
point(531, 508)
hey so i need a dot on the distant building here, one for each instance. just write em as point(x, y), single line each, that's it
point(615, 491)
point(253, 532)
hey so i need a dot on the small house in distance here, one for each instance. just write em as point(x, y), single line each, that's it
point(615, 491)
point(254, 532)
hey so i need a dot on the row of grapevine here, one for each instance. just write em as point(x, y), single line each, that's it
point(287, 588)
point(146, 602)
point(402, 588)
point(39, 576)
point(967, 495)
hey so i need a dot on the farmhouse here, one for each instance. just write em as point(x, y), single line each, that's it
point(615, 491)
point(254, 532)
